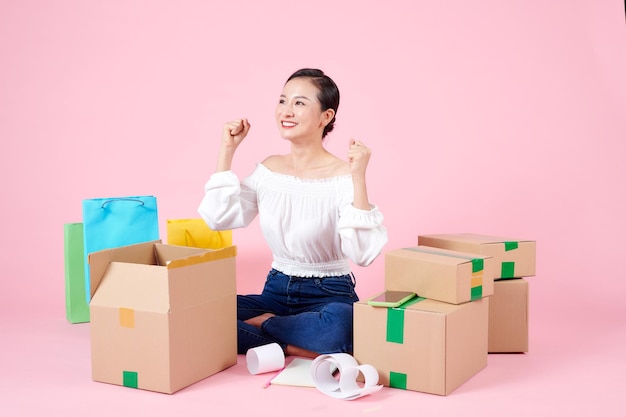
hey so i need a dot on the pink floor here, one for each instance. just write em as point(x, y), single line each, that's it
point(575, 367)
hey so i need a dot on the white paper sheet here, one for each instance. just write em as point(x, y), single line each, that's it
point(297, 373)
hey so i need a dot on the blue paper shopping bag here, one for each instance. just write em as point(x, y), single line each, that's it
point(114, 222)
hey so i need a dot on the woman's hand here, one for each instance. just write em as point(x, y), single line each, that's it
point(358, 157)
point(233, 133)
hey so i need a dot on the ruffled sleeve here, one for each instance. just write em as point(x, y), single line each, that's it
point(363, 235)
point(227, 203)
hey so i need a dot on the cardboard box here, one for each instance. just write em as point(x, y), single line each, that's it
point(508, 317)
point(439, 274)
point(425, 345)
point(162, 317)
point(514, 258)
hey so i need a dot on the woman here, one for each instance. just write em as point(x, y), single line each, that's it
point(315, 215)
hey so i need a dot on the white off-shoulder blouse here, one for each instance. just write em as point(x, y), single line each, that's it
point(310, 225)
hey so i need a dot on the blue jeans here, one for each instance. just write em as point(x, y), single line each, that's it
point(310, 313)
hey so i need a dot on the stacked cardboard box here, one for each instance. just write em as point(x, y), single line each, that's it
point(508, 308)
point(508, 317)
point(424, 345)
point(437, 341)
point(162, 317)
point(439, 274)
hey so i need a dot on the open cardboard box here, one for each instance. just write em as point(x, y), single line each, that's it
point(162, 317)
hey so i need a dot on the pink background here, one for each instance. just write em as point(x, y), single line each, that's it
point(491, 117)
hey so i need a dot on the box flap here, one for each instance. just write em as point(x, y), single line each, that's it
point(133, 286)
point(142, 253)
point(173, 257)
point(166, 253)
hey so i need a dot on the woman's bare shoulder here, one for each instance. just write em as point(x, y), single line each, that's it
point(275, 163)
point(340, 167)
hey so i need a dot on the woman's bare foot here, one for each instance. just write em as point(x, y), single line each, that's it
point(258, 320)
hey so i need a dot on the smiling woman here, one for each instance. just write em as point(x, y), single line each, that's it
point(503, 117)
point(306, 304)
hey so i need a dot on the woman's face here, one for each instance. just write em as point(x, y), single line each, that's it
point(298, 112)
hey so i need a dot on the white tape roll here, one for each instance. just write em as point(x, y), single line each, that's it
point(266, 358)
point(346, 387)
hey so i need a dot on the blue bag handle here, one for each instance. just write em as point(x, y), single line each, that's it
point(122, 199)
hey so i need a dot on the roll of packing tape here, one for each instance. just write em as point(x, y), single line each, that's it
point(346, 387)
point(266, 358)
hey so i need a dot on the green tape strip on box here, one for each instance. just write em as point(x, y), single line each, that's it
point(397, 380)
point(510, 246)
point(478, 264)
point(508, 270)
point(130, 379)
point(395, 334)
point(395, 325)
point(395, 321)
point(476, 293)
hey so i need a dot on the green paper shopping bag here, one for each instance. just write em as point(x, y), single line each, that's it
point(76, 307)
point(195, 233)
point(114, 222)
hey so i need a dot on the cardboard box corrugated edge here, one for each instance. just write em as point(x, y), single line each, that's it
point(487, 245)
point(441, 370)
point(202, 256)
point(429, 281)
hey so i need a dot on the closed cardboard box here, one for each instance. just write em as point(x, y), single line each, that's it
point(439, 274)
point(514, 258)
point(424, 345)
point(508, 317)
point(162, 317)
